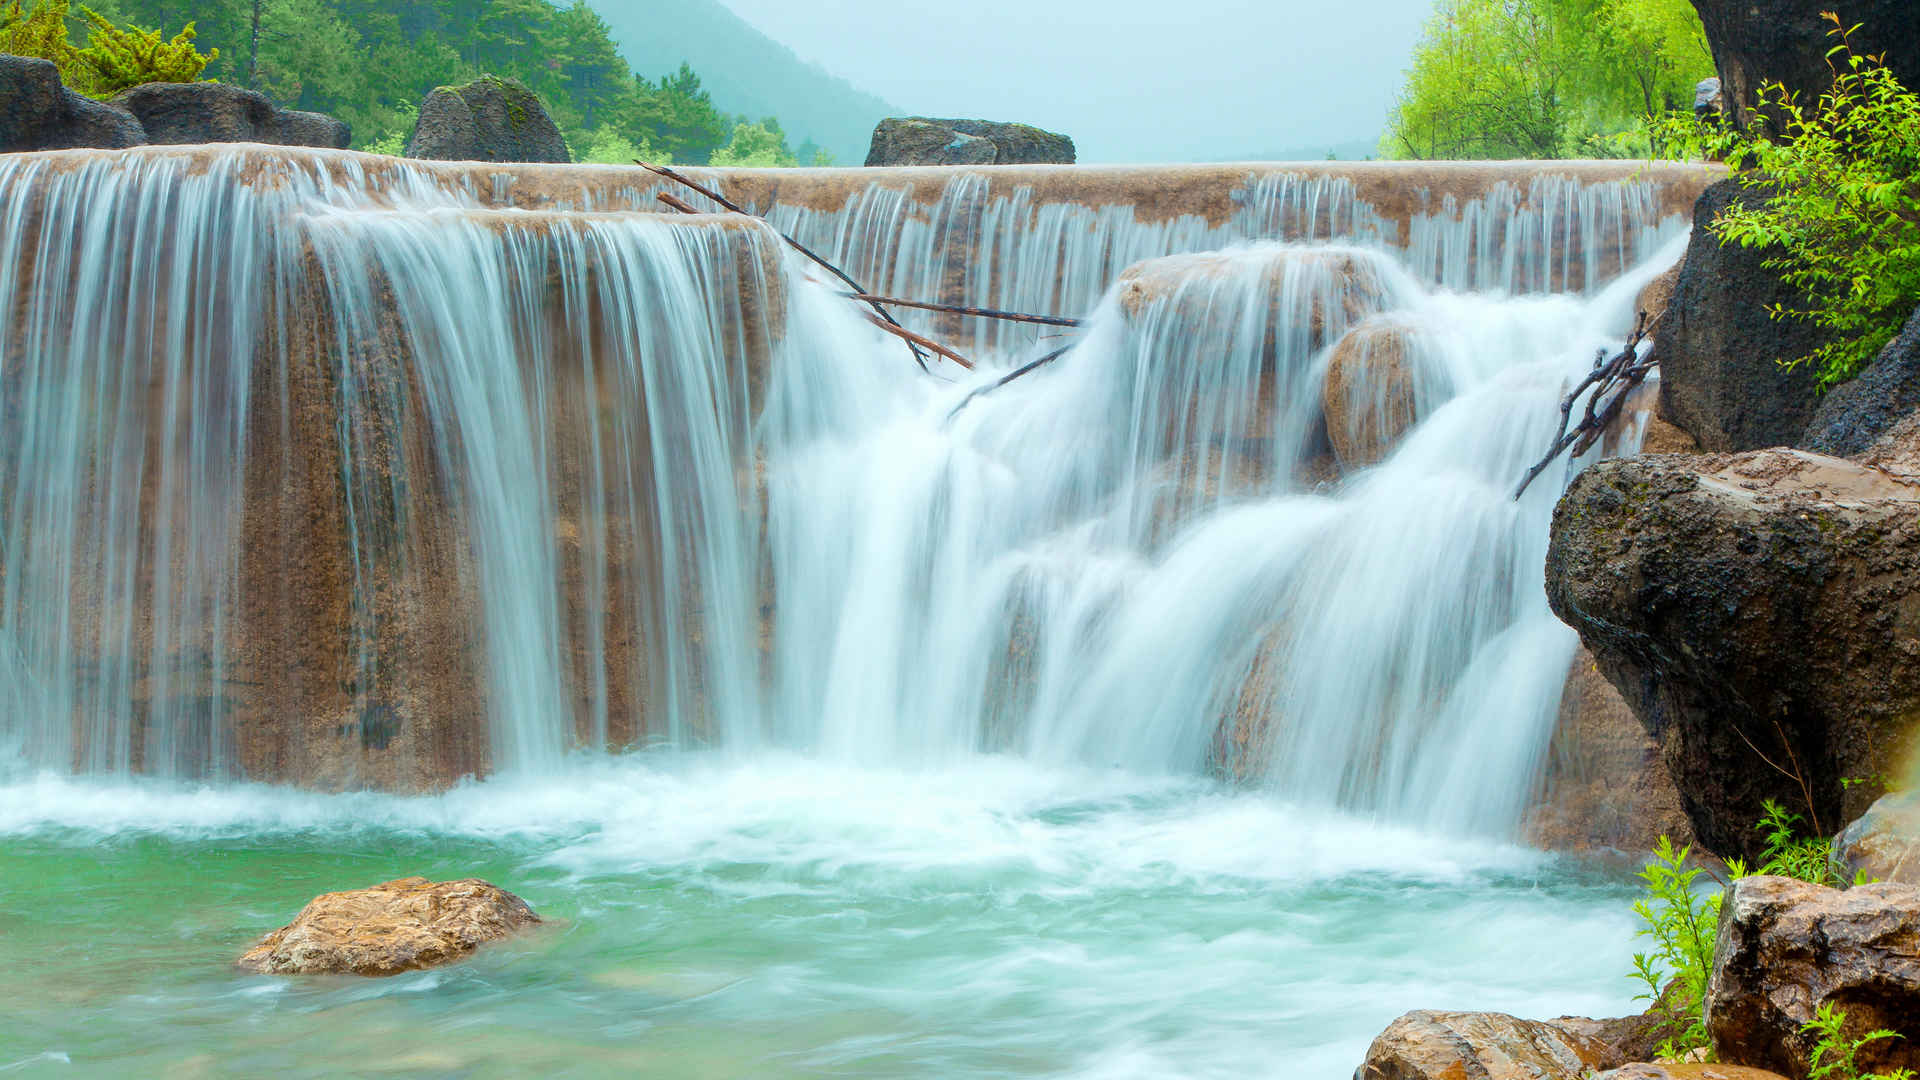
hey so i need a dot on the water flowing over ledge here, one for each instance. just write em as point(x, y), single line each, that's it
point(347, 472)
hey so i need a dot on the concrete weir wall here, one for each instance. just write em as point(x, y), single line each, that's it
point(331, 469)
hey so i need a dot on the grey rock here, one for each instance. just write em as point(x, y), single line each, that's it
point(206, 112)
point(918, 140)
point(1884, 844)
point(488, 119)
point(1428, 1045)
point(38, 113)
point(1855, 414)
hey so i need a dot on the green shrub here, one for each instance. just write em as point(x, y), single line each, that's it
point(1833, 1055)
point(1842, 203)
point(115, 57)
point(1683, 923)
point(1789, 854)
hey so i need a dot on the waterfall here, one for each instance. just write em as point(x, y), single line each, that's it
point(347, 471)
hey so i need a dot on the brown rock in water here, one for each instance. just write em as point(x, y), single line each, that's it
point(1787, 948)
point(1884, 844)
point(1605, 786)
point(403, 925)
point(1371, 395)
point(1687, 1071)
point(1427, 1045)
point(1756, 610)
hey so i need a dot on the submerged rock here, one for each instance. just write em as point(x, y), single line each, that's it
point(38, 112)
point(1884, 844)
point(402, 925)
point(1720, 373)
point(208, 112)
point(488, 119)
point(1372, 394)
point(919, 140)
point(1428, 1045)
point(1760, 612)
point(1787, 948)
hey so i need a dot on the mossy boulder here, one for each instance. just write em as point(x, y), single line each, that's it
point(918, 140)
point(488, 119)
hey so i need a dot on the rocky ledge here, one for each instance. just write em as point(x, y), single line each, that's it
point(402, 925)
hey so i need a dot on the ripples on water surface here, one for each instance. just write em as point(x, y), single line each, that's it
point(782, 917)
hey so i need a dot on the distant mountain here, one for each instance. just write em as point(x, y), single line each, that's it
point(746, 71)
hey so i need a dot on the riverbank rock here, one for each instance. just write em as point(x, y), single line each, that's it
point(1759, 41)
point(1687, 1071)
point(1604, 787)
point(1721, 379)
point(1853, 416)
point(209, 112)
point(38, 112)
point(919, 140)
point(1787, 947)
point(488, 119)
point(1755, 610)
point(1884, 844)
point(1427, 1045)
point(402, 925)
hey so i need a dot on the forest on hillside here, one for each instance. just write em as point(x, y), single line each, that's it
point(370, 62)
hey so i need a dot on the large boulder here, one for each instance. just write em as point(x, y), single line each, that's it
point(1605, 787)
point(1428, 1045)
point(1884, 844)
point(1721, 374)
point(37, 112)
point(917, 140)
point(1686, 1071)
point(1859, 412)
point(488, 119)
point(402, 925)
point(1786, 948)
point(1761, 613)
point(1374, 393)
point(1759, 41)
point(208, 112)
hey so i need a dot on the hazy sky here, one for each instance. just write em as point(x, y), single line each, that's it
point(1167, 80)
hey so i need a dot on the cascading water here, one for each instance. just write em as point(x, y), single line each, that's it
point(353, 473)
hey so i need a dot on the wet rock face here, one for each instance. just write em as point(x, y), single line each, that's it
point(402, 925)
point(1786, 948)
point(1853, 416)
point(1884, 844)
point(37, 112)
point(1759, 41)
point(1372, 394)
point(206, 112)
point(1756, 610)
point(1427, 1045)
point(488, 119)
point(917, 140)
point(1688, 1071)
point(1720, 373)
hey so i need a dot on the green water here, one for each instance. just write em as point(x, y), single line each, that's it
point(780, 918)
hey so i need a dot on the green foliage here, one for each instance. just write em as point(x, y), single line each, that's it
point(758, 146)
point(114, 58)
point(1545, 78)
point(1789, 854)
point(1834, 1053)
point(1683, 923)
point(1841, 187)
point(606, 145)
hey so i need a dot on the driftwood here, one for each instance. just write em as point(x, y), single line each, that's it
point(1009, 377)
point(927, 343)
point(1611, 381)
point(919, 357)
point(981, 313)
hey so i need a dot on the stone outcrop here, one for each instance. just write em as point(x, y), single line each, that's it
point(209, 112)
point(1884, 844)
point(1372, 393)
point(1761, 613)
point(1720, 352)
point(917, 140)
point(402, 925)
point(38, 112)
point(488, 119)
point(1686, 1071)
point(1605, 787)
point(1759, 41)
point(1853, 416)
point(1431, 1045)
point(1787, 947)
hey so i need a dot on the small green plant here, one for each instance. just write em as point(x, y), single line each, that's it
point(115, 57)
point(1840, 181)
point(1683, 923)
point(1789, 854)
point(1833, 1055)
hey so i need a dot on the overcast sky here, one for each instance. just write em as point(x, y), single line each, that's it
point(1130, 80)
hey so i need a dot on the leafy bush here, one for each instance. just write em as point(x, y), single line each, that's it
point(756, 146)
point(115, 57)
point(1789, 854)
point(1833, 1055)
point(1842, 203)
point(1683, 923)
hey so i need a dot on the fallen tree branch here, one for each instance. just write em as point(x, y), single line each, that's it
point(1009, 377)
point(919, 357)
point(912, 338)
point(1611, 381)
point(956, 309)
